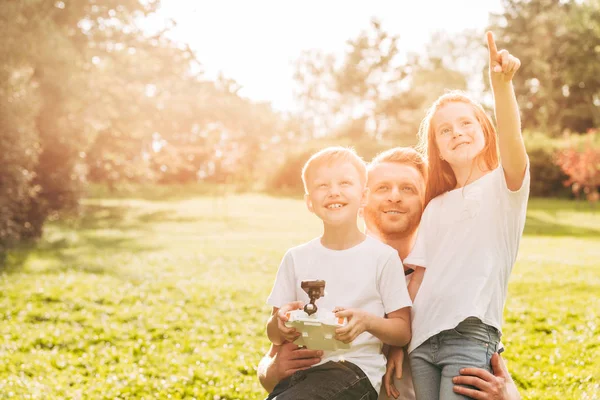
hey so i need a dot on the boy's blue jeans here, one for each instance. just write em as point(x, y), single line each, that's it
point(328, 381)
point(435, 362)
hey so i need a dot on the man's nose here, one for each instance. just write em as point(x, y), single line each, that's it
point(395, 195)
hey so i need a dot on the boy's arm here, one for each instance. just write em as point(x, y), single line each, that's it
point(415, 282)
point(513, 155)
point(393, 330)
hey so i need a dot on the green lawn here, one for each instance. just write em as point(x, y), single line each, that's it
point(143, 298)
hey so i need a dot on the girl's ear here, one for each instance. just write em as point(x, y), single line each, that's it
point(309, 203)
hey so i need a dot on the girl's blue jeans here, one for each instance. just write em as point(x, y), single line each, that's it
point(435, 362)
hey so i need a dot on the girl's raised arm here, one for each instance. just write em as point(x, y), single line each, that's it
point(513, 155)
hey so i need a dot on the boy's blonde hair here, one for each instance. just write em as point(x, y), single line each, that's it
point(330, 155)
point(401, 155)
point(440, 175)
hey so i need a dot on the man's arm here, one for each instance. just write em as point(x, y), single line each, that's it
point(499, 386)
point(282, 361)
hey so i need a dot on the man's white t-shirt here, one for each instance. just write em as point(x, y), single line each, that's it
point(468, 242)
point(368, 276)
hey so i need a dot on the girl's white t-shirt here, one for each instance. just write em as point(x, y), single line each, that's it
point(467, 242)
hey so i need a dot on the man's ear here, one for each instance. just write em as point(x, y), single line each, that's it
point(364, 198)
point(309, 203)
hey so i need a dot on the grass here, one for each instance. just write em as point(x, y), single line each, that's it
point(140, 298)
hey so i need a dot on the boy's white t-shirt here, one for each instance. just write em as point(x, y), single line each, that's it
point(468, 242)
point(368, 276)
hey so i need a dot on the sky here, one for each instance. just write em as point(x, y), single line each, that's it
point(256, 42)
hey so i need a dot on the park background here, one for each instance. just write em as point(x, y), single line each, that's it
point(150, 161)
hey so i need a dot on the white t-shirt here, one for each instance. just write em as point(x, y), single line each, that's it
point(468, 242)
point(368, 276)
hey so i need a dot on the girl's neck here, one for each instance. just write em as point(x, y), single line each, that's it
point(341, 237)
point(468, 173)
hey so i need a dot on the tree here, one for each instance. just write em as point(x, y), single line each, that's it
point(371, 91)
point(558, 43)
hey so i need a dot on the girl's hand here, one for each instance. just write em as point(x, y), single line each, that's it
point(290, 334)
point(358, 322)
point(503, 65)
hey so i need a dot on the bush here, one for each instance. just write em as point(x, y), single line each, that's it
point(580, 160)
point(547, 178)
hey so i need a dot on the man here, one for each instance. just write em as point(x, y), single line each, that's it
point(396, 180)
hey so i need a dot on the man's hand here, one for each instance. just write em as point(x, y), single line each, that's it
point(491, 387)
point(283, 361)
point(358, 322)
point(394, 364)
point(291, 358)
point(503, 65)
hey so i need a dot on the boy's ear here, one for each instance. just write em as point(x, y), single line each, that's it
point(309, 204)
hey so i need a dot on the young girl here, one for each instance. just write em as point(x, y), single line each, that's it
point(470, 231)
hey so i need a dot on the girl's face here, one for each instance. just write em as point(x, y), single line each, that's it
point(458, 134)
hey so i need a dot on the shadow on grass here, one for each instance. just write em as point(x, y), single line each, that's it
point(535, 226)
point(126, 227)
point(122, 218)
point(63, 255)
point(551, 217)
point(161, 193)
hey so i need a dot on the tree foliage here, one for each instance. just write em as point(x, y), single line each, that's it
point(558, 43)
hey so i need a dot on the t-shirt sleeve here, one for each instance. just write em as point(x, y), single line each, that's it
point(284, 290)
point(417, 256)
point(516, 199)
point(392, 285)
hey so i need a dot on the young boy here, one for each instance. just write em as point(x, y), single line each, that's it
point(364, 282)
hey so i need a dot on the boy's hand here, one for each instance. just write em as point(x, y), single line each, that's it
point(358, 322)
point(394, 363)
point(290, 334)
point(503, 65)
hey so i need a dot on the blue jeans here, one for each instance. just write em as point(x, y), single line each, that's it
point(330, 381)
point(440, 358)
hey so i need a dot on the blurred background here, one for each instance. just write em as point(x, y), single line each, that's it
point(126, 91)
point(148, 151)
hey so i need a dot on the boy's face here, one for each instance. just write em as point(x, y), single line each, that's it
point(335, 193)
point(396, 195)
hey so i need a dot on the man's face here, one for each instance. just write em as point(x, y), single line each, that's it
point(395, 201)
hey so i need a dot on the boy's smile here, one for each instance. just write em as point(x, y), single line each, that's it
point(335, 193)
